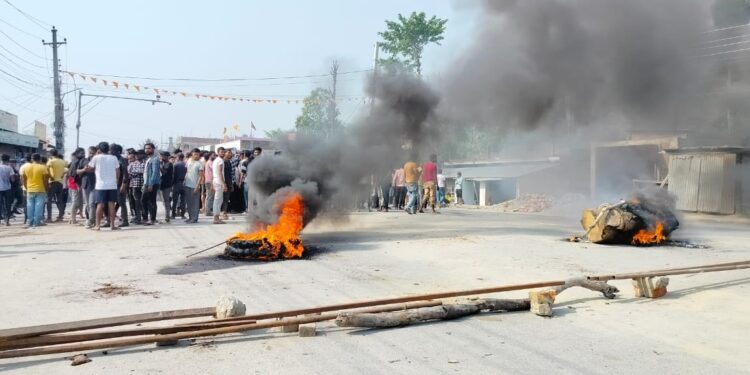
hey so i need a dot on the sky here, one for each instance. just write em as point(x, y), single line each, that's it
point(199, 40)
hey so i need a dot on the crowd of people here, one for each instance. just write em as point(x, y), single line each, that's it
point(414, 187)
point(98, 183)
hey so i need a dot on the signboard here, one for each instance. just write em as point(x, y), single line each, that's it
point(40, 130)
point(18, 139)
point(8, 121)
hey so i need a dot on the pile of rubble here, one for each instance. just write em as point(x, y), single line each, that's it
point(526, 203)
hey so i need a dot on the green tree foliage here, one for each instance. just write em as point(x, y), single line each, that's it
point(276, 133)
point(406, 39)
point(319, 115)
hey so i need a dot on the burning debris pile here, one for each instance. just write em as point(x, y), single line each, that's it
point(272, 241)
point(646, 219)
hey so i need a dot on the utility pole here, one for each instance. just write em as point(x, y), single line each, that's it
point(78, 122)
point(59, 115)
point(81, 94)
point(332, 108)
point(375, 67)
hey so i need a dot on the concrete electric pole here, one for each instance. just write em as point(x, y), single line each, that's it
point(59, 115)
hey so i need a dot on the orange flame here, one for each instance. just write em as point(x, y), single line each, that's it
point(645, 237)
point(284, 233)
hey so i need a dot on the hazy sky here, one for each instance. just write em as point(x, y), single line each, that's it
point(209, 40)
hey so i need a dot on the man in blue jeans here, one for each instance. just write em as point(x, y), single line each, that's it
point(7, 176)
point(35, 179)
point(106, 167)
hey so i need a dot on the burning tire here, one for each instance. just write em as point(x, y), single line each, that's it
point(254, 250)
point(642, 221)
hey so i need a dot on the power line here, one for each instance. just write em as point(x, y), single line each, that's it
point(31, 18)
point(723, 28)
point(20, 45)
point(21, 58)
point(222, 79)
point(21, 80)
point(23, 67)
point(725, 39)
point(20, 30)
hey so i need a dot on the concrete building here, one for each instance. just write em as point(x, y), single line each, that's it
point(710, 179)
point(492, 182)
point(189, 143)
point(243, 143)
point(12, 142)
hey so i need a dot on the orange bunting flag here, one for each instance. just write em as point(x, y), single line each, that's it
point(185, 94)
point(115, 84)
point(137, 88)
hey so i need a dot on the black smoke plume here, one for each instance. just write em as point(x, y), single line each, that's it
point(331, 173)
point(535, 63)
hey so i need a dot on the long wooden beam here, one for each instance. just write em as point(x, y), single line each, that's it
point(131, 341)
point(46, 329)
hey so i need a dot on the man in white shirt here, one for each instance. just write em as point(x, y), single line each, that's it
point(192, 186)
point(106, 167)
point(219, 185)
point(441, 188)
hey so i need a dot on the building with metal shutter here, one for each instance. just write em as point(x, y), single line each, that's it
point(708, 179)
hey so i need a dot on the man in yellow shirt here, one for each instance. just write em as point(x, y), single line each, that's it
point(411, 177)
point(56, 171)
point(34, 177)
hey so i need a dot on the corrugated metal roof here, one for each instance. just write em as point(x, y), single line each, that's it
point(703, 182)
point(496, 171)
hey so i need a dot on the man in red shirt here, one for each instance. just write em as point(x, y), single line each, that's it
point(429, 180)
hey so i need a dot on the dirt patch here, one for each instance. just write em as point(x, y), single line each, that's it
point(111, 290)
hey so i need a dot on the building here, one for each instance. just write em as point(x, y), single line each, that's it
point(12, 142)
point(492, 182)
point(243, 143)
point(710, 179)
point(189, 143)
point(618, 168)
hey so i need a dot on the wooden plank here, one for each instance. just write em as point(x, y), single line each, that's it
point(79, 325)
point(242, 327)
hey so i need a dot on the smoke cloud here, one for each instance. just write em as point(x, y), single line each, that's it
point(331, 174)
point(535, 63)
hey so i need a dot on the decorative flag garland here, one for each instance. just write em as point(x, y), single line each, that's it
point(158, 91)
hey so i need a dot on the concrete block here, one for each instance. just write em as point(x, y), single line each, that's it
point(307, 330)
point(541, 302)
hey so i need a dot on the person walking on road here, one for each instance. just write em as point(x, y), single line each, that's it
point(56, 171)
point(7, 176)
point(151, 182)
point(34, 177)
point(106, 167)
point(191, 189)
point(219, 186)
point(411, 178)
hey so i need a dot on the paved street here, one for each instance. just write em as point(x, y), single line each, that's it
point(50, 274)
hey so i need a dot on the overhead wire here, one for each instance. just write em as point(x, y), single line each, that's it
point(21, 58)
point(31, 18)
point(22, 67)
point(20, 45)
point(21, 80)
point(222, 79)
point(20, 30)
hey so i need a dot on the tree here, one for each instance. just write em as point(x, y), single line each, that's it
point(406, 39)
point(319, 115)
point(276, 133)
